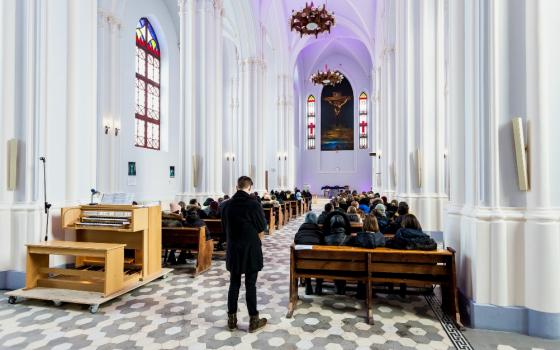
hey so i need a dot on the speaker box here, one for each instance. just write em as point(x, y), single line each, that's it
point(12, 164)
point(520, 154)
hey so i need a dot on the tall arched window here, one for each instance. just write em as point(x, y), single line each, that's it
point(311, 125)
point(363, 125)
point(147, 86)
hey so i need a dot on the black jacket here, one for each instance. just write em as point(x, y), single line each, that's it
point(327, 225)
point(309, 234)
point(242, 221)
point(366, 240)
point(195, 223)
point(407, 238)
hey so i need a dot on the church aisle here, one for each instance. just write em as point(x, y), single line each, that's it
point(191, 313)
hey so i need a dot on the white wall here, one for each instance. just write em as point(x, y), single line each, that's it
point(152, 181)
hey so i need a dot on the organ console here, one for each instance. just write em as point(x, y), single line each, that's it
point(137, 227)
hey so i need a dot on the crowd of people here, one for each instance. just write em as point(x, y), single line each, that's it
point(379, 219)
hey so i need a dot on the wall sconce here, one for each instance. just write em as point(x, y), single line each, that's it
point(279, 155)
point(117, 131)
point(230, 156)
point(379, 153)
point(285, 156)
point(227, 156)
point(107, 128)
point(445, 153)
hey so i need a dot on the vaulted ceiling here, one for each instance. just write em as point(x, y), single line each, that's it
point(353, 35)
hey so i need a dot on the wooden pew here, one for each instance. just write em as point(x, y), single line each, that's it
point(355, 227)
point(192, 239)
point(413, 268)
point(287, 212)
point(280, 215)
point(270, 219)
point(294, 208)
point(216, 232)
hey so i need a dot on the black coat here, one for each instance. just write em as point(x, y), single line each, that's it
point(407, 238)
point(327, 230)
point(309, 234)
point(242, 221)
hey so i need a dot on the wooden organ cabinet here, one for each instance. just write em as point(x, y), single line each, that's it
point(117, 249)
point(137, 227)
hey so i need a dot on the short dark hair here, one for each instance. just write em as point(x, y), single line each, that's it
point(328, 207)
point(193, 201)
point(410, 221)
point(403, 208)
point(244, 182)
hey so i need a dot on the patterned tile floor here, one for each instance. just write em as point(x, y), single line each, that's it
point(182, 312)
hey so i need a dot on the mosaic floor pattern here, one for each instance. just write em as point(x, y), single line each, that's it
point(190, 313)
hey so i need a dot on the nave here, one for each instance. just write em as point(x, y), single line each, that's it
point(190, 313)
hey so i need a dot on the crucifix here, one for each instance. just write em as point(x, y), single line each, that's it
point(337, 101)
point(363, 126)
point(311, 126)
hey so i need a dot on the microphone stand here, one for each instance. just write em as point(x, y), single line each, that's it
point(47, 204)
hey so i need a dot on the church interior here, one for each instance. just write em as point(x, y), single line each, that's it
point(413, 139)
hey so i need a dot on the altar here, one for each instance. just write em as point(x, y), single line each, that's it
point(332, 191)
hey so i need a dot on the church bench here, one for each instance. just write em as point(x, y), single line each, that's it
point(355, 227)
point(413, 268)
point(216, 232)
point(270, 219)
point(280, 215)
point(287, 212)
point(294, 208)
point(191, 239)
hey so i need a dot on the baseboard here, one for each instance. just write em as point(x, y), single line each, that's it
point(11, 280)
point(511, 319)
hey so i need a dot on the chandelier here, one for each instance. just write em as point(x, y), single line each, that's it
point(327, 77)
point(312, 20)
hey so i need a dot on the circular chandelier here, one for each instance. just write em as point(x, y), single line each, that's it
point(312, 20)
point(327, 77)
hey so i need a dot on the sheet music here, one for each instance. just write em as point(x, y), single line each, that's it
point(117, 198)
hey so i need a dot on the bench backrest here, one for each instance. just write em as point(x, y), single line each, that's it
point(215, 228)
point(379, 263)
point(182, 237)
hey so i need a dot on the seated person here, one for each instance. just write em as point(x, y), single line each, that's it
point(364, 205)
point(214, 211)
point(382, 220)
point(402, 210)
point(328, 208)
point(310, 233)
point(352, 214)
point(172, 219)
point(335, 228)
point(410, 236)
point(343, 205)
point(370, 237)
point(194, 220)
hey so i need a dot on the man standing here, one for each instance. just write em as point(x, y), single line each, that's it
point(242, 220)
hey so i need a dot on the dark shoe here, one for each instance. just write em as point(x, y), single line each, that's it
point(256, 323)
point(308, 287)
point(319, 286)
point(232, 321)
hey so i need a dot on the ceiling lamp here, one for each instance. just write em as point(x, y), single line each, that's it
point(312, 20)
point(327, 77)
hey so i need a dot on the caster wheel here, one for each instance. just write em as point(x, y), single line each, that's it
point(93, 308)
point(57, 303)
point(164, 277)
point(12, 300)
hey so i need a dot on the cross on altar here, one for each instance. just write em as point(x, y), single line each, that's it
point(312, 127)
point(363, 126)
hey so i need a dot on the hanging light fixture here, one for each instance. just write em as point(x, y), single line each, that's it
point(312, 20)
point(327, 77)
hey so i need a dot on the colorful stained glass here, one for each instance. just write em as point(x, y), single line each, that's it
point(147, 96)
point(363, 124)
point(311, 125)
point(146, 36)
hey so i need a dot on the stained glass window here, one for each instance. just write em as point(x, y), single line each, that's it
point(311, 125)
point(363, 124)
point(147, 97)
